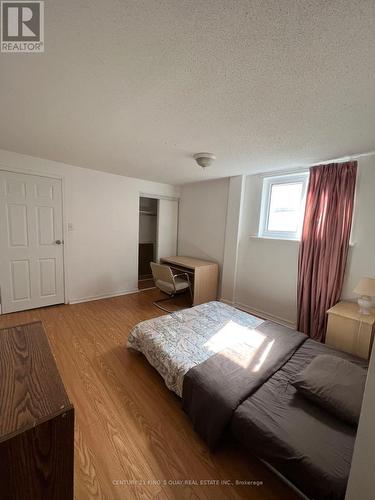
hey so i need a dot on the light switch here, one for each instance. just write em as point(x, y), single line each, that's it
point(70, 226)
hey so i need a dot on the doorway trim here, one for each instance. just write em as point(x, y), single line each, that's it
point(142, 194)
point(158, 196)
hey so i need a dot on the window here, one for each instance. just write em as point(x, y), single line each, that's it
point(283, 206)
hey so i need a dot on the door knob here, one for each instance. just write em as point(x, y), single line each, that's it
point(58, 242)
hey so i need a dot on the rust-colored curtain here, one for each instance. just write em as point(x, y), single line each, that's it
point(324, 244)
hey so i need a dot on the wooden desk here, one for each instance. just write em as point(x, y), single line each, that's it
point(37, 419)
point(350, 331)
point(204, 276)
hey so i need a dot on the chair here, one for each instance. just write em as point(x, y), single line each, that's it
point(169, 283)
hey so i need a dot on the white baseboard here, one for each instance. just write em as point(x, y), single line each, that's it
point(229, 302)
point(103, 296)
point(260, 313)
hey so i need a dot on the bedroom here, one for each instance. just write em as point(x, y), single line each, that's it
point(112, 108)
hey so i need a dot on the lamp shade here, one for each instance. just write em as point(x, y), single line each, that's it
point(366, 286)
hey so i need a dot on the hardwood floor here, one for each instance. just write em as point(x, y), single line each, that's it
point(132, 440)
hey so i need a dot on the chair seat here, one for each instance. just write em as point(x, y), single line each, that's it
point(166, 287)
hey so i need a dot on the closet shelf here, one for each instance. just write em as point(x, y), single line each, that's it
point(147, 212)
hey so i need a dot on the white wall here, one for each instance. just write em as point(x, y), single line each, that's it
point(267, 281)
point(361, 259)
point(236, 194)
point(202, 219)
point(362, 263)
point(102, 249)
point(361, 483)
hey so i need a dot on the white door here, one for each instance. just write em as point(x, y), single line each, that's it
point(167, 228)
point(31, 251)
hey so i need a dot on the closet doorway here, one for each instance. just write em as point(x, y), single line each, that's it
point(158, 221)
point(148, 219)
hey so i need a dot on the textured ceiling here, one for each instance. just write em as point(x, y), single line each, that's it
point(137, 87)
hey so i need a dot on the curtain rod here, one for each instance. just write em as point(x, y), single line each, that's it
point(305, 168)
point(344, 158)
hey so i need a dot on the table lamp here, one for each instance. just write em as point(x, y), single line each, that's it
point(366, 290)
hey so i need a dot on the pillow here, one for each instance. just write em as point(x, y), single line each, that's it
point(334, 384)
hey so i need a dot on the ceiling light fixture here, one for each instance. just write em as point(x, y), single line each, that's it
point(204, 159)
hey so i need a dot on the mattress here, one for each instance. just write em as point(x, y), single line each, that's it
point(309, 446)
point(175, 343)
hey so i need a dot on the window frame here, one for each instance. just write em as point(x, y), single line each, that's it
point(268, 182)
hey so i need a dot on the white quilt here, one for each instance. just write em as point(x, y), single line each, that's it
point(175, 343)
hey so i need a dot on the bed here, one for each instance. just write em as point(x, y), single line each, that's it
point(175, 343)
point(233, 372)
point(306, 444)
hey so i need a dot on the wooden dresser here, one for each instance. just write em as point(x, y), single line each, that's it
point(36, 420)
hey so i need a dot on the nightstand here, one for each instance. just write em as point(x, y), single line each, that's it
point(350, 331)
